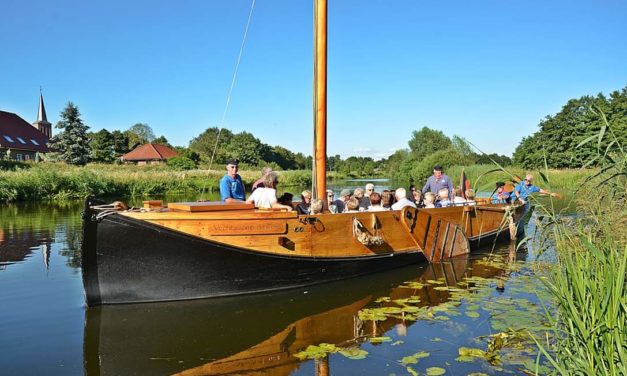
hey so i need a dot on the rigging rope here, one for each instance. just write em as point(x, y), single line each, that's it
point(228, 97)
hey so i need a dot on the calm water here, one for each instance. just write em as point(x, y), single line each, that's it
point(383, 318)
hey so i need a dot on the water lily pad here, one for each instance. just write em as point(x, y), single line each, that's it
point(354, 353)
point(379, 339)
point(472, 314)
point(435, 371)
point(411, 371)
point(317, 352)
point(413, 359)
point(465, 358)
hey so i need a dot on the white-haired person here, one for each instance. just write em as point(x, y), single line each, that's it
point(429, 200)
point(259, 182)
point(265, 197)
point(316, 206)
point(401, 199)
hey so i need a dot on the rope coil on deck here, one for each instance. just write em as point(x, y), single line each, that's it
point(361, 233)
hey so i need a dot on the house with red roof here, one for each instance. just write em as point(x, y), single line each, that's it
point(149, 154)
point(20, 140)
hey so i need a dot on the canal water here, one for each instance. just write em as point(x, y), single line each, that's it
point(467, 316)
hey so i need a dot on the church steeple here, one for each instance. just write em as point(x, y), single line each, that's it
point(42, 123)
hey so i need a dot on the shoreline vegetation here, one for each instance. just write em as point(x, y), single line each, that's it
point(46, 181)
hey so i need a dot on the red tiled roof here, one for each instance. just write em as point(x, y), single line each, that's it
point(150, 152)
point(14, 130)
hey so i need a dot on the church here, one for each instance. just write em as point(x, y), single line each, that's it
point(21, 141)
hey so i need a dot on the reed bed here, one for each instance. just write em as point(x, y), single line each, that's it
point(589, 308)
point(483, 177)
point(58, 181)
point(589, 313)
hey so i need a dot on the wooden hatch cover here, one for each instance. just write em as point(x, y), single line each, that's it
point(207, 206)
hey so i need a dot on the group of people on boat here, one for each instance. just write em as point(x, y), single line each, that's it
point(437, 192)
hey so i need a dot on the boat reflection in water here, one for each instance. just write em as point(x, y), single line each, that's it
point(257, 334)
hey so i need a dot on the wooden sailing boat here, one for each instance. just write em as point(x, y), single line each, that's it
point(201, 250)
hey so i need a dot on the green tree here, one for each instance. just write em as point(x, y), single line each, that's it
point(205, 143)
point(139, 134)
point(102, 146)
point(71, 145)
point(161, 140)
point(463, 147)
point(247, 148)
point(427, 141)
point(120, 143)
point(560, 134)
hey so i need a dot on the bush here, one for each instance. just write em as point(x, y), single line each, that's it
point(181, 163)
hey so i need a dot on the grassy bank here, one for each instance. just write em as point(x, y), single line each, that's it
point(56, 181)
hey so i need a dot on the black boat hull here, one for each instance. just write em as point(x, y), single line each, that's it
point(131, 261)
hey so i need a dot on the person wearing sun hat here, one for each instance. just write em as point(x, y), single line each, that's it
point(231, 185)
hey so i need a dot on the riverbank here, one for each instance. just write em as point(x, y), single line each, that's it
point(57, 181)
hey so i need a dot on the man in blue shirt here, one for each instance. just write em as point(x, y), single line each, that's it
point(438, 181)
point(231, 185)
point(525, 188)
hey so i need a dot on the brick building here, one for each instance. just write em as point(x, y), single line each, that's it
point(20, 140)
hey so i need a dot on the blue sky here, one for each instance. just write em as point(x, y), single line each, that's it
point(485, 70)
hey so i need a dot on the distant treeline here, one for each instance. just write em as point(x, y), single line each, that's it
point(559, 137)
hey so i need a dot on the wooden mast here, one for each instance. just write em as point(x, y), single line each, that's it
point(320, 99)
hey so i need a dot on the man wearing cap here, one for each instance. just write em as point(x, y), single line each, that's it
point(438, 181)
point(340, 203)
point(231, 185)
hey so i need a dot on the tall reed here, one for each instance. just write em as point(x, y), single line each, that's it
point(589, 316)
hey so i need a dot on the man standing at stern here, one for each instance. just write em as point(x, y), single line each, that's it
point(438, 181)
point(231, 185)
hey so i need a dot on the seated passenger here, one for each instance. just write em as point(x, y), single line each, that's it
point(443, 199)
point(285, 199)
point(375, 203)
point(470, 197)
point(364, 201)
point(387, 199)
point(457, 199)
point(401, 199)
point(352, 205)
point(316, 206)
point(418, 198)
point(500, 196)
point(331, 201)
point(303, 207)
point(265, 197)
point(345, 195)
point(429, 200)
